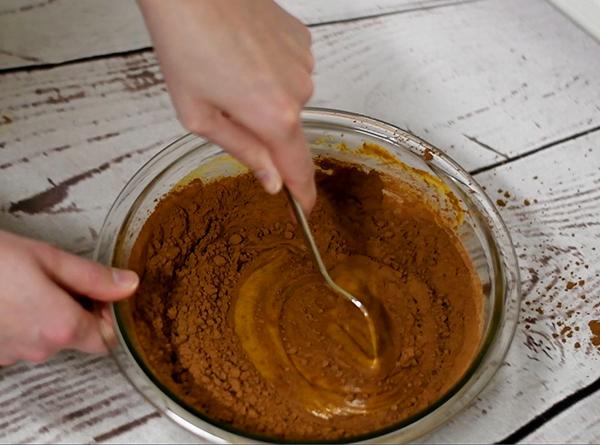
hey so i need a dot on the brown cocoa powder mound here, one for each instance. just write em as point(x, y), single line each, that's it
point(204, 248)
point(594, 326)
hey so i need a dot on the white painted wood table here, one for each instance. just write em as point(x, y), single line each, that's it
point(509, 88)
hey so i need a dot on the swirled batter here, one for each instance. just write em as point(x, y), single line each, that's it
point(232, 315)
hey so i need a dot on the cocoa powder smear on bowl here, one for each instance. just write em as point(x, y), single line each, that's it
point(232, 316)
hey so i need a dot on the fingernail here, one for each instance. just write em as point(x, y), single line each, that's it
point(271, 181)
point(125, 278)
point(108, 334)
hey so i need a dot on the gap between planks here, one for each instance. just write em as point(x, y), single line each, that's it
point(49, 66)
point(572, 399)
point(46, 66)
point(509, 159)
point(556, 409)
point(396, 12)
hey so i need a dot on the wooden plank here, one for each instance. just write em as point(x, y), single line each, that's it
point(71, 398)
point(313, 12)
point(88, 127)
point(505, 76)
point(34, 32)
point(557, 240)
point(581, 424)
point(71, 132)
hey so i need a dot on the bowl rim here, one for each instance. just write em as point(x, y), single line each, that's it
point(378, 129)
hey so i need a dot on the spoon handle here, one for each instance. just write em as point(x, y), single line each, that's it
point(316, 255)
point(308, 236)
point(314, 250)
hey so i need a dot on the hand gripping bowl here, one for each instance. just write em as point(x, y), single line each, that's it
point(334, 133)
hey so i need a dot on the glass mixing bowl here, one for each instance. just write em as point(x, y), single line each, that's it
point(482, 232)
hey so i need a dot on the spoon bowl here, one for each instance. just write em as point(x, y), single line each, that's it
point(339, 290)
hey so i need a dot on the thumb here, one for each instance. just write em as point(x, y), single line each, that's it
point(85, 277)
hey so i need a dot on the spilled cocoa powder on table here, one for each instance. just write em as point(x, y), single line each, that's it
point(233, 317)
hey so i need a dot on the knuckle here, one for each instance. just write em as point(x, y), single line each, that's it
point(298, 182)
point(286, 113)
point(310, 62)
point(37, 356)
point(308, 88)
point(303, 176)
point(307, 35)
point(94, 276)
point(200, 123)
point(7, 361)
point(60, 335)
point(302, 31)
point(51, 254)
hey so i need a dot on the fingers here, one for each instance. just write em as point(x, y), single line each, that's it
point(264, 132)
point(276, 120)
point(284, 157)
point(7, 360)
point(295, 28)
point(297, 170)
point(299, 43)
point(300, 86)
point(72, 327)
point(245, 147)
point(66, 326)
point(92, 334)
point(82, 276)
point(237, 141)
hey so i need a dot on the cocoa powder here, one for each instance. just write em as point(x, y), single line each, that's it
point(594, 326)
point(232, 316)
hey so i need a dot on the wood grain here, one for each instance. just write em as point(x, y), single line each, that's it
point(476, 79)
point(580, 424)
point(61, 30)
point(503, 77)
point(557, 241)
point(34, 32)
point(70, 139)
point(314, 12)
point(70, 398)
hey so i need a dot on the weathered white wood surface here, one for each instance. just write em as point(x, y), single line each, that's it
point(557, 240)
point(71, 136)
point(314, 12)
point(34, 32)
point(508, 75)
point(581, 424)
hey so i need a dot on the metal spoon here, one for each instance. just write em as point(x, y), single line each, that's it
point(316, 255)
